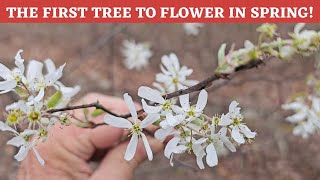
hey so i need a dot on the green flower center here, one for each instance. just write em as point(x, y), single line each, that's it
point(34, 116)
point(236, 121)
point(43, 133)
point(175, 81)
point(136, 129)
point(27, 138)
point(167, 105)
point(13, 118)
point(184, 135)
point(216, 120)
point(191, 112)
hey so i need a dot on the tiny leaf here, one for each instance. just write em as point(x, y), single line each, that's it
point(97, 112)
point(54, 99)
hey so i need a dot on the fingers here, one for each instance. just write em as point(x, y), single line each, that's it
point(114, 166)
point(84, 142)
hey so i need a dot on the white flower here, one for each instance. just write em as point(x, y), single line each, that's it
point(136, 128)
point(304, 37)
point(136, 55)
point(173, 75)
point(192, 112)
point(39, 82)
point(33, 110)
point(304, 129)
point(233, 119)
point(287, 52)
point(214, 144)
point(12, 77)
point(173, 147)
point(25, 140)
point(307, 118)
point(192, 28)
point(163, 107)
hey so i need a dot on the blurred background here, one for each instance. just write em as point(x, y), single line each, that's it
point(95, 62)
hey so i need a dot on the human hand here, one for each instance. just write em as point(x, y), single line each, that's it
point(68, 149)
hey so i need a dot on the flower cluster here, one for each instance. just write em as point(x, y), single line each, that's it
point(306, 117)
point(183, 125)
point(306, 106)
point(173, 76)
point(27, 118)
point(186, 126)
point(136, 55)
point(304, 42)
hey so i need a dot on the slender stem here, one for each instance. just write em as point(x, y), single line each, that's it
point(96, 105)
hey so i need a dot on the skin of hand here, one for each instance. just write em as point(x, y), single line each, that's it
point(68, 149)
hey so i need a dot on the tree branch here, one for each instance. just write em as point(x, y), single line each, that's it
point(201, 85)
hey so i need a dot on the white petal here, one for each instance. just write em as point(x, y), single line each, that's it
point(180, 149)
point(200, 141)
point(147, 146)
point(190, 83)
point(151, 118)
point(7, 85)
point(199, 160)
point(298, 27)
point(16, 141)
point(117, 121)
point(131, 148)
point(212, 158)
point(297, 117)
point(184, 101)
point(162, 134)
point(233, 105)
point(171, 145)
point(293, 106)
point(184, 72)
point(19, 61)
point(34, 70)
point(235, 134)
point(163, 78)
point(225, 120)
point(22, 153)
point(316, 104)
point(229, 145)
point(177, 109)
point(174, 120)
point(246, 131)
point(39, 158)
point(5, 72)
point(28, 132)
point(39, 97)
point(150, 109)
point(223, 131)
point(150, 94)
point(5, 127)
point(53, 77)
point(50, 66)
point(175, 61)
point(167, 62)
point(202, 101)
point(131, 106)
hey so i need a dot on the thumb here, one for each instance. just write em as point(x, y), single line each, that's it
point(114, 166)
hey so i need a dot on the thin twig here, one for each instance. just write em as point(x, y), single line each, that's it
point(97, 105)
